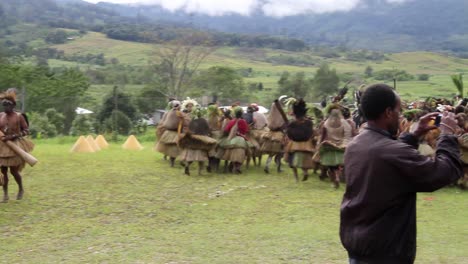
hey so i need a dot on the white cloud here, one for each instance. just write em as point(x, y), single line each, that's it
point(277, 8)
point(210, 7)
point(281, 8)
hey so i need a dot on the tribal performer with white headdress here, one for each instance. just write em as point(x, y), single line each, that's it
point(14, 127)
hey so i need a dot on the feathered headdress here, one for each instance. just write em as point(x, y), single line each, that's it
point(8, 96)
point(187, 102)
point(214, 111)
point(238, 111)
point(290, 102)
point(199, 112)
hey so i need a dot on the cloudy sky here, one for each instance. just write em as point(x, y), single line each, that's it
point(244, 7)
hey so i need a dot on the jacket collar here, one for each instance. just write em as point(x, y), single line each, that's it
point(381, 131)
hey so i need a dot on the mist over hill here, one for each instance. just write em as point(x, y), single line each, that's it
point(374, 24)
point(382, 25)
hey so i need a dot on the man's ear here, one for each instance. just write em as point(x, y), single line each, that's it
point(388, 112)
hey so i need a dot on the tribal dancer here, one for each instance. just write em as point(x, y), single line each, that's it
point(172, 125)
point(257, 129)
point(335, 135)
point(300, 148)
point(14, 127)
point(236, 146)
point(214, 122)
point(195, 143)
point(273, 140)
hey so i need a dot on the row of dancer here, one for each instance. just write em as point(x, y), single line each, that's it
point(239, 137)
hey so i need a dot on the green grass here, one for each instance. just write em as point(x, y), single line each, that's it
point(118, 206)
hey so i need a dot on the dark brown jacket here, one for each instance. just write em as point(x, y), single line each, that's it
point(383, 175)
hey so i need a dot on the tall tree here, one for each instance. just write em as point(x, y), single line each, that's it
point(297, 85)
point(369, 71)
point(326, 81)
point(180, 59)
point(62, 89)
point(219, 82)
point(117, 102)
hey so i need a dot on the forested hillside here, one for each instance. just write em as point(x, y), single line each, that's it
point(375, 24)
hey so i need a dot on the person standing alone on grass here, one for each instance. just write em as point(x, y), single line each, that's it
point(15, 128)
point(383, 175)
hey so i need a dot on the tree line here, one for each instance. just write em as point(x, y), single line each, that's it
point(87, 17)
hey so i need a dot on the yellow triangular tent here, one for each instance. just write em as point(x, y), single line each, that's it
point(132, 143)
point(93, 144)
point(101, 142)
point(82, 145)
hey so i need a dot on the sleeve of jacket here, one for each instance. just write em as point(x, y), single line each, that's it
point(429, 174)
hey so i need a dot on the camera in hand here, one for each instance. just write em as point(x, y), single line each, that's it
point(437, 120)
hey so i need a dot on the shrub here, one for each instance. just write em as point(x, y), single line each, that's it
point(122, 122)
point(423, 77)
point(81, 125)
point(388, 75)
point(40, 126)
point(56, 119)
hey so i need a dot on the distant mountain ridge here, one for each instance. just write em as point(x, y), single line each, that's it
point(431, 25)
point(413, 25)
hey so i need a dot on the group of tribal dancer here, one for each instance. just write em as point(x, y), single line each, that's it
point(304, 136)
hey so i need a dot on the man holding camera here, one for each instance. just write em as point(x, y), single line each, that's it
point(383, 175)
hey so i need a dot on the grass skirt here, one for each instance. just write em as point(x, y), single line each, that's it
point(301, 160)
point(9, 158)
point(167, 145)
point(236, 149)
point(331, 156)
point(272, 142)
point(305, 146)
point(235, 142)
point(190, 141)
point(160, 131)
point(219, 150)
point(235, 155)
point(257, 134)
point(300, 154)
point(193, 155)
point(216, 135)
point(253, 141)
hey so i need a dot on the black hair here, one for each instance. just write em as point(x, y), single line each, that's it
point(376, 99)
point(238, 113)
point(227, 113)
point(459, 109)
point(300, 108)
point(346, 113)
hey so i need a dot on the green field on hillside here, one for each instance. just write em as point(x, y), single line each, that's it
point(118, 206)
point(438, 66)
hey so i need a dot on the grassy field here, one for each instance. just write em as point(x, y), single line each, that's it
point(118, 206)
point(438, 66)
